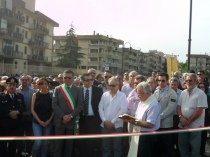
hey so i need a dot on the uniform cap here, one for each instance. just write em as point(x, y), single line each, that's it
point(11, 80)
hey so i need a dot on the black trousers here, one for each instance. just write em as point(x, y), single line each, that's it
point(91, 146)
point(164, 144)
point(10, 150)
point(146, 146)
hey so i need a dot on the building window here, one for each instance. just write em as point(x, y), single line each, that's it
point(25, 50)
point(94, 42)
point(26, 34)
point(27, 19)
point(16, 65)
point(16, 48)
point(3, 24)
point(24, 66)
point(83, 67)
point(93, 59)
point(93, 50)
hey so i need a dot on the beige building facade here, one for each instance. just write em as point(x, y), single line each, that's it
point(26, 38)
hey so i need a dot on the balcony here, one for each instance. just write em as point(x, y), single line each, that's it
point(113, 64)
point(11, 53)
point(112, 56)
point(38, 58)
point(38, 43)
point(11, 16)
point(11, 35)
point(39, 28)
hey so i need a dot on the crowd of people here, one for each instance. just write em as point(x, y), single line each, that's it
point(92, 104)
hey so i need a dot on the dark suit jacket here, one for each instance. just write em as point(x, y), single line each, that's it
point(6, 105)
point(61, 108)
point(97, 93)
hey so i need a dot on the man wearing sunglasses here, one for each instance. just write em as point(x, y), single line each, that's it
point(105, 84)
point(67, 103)
point(113, 104)
point(89, 118)
point(93, 74)
point(191, 105)
point(167, 98)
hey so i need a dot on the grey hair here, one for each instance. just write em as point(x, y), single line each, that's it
point(192, 74)
point(151, 78)
point(145, 87)
point(174, 79)
point(114, 78)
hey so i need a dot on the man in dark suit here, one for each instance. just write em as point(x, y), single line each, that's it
point(90, 119)
point(67, 103)
point(12, 106)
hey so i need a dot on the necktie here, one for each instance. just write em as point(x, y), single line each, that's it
point(86, 102)
point(12, 96)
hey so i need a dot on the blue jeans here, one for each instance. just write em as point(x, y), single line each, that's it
point(108, 142)
point(192, 139)
point(40, 147)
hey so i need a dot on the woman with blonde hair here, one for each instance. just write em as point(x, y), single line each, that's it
point(41, 109)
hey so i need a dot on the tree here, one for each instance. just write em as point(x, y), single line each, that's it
point(182, 67)
point(69, 54)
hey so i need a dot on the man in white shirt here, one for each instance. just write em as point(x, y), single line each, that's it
point(147, 119)
point(191, 105)
point(113, 103)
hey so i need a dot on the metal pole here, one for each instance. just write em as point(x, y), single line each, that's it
point(122, 59)
point(189, 40)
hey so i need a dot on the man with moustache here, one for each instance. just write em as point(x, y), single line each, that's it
point(27, 116)
point(191, 105)
point(12, 106)
point(89, 118)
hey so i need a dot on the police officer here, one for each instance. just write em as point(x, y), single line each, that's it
point(11, 108)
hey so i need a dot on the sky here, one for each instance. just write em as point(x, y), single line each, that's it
point(161, 25)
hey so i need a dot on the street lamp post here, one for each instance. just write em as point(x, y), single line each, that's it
point(189, 40)
point(123, 55)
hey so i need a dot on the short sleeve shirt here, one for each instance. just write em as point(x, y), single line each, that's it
point(189, 103)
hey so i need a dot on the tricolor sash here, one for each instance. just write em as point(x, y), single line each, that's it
point(71, 104)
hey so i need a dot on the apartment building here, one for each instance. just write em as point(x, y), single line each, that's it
point(26, 38)
point(101, 52)
point(152, 61)
point(200, 62)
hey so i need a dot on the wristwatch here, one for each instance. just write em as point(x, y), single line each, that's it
point(71, 116)
point(180, 116)
point(136, 122)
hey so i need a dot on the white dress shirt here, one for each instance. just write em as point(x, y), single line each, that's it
point(111, 107)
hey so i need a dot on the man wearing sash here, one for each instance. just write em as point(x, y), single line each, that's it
point(147, 118)
point(67, 103)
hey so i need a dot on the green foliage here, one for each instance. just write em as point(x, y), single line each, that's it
point(182, 67)
point(69, 53)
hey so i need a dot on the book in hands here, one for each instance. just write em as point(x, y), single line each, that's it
point(127, 116)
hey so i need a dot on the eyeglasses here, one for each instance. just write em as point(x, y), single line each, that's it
point(113, 85)
point(188, 80)
point(199, 74)
point(107, 76)
point(163, 81)
point(93, 73)
point(201, 87)
point(88, 80)
point(67, 78)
